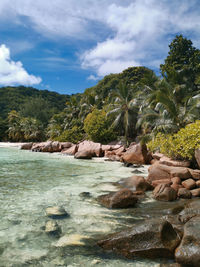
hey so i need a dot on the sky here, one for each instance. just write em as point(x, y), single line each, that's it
point(69, 45)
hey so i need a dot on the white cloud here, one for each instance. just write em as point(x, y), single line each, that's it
point(92, 78)
point(127, 32)
point(12, 73)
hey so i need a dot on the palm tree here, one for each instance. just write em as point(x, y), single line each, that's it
point(14, 130)
point(32, 129)
point(125, 110)
point(165, 111)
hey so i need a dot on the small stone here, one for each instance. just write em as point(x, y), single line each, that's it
point(198, 183)
point(71, 240)
point(195, 192)
point(184, 193)
point(97, 261)
point(189, 184)
point(56, 212)
point(52, 228)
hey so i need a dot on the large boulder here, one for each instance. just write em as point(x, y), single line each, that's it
point(26, 146)
point(155, 238)
point(164, 192)
point(49, 146)
point(175, 163)
point(188, 253)
point(160, 171)
point(191, 210)
point(83, 155)
point(136, 154)
point(136, 183)
point(70, 151)
point(90, 146)
point(124, 198)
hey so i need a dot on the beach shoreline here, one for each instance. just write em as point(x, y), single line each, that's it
point(10, 144)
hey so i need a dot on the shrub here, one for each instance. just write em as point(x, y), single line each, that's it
point(181, 145)
point(73, 135)
point(98, 127)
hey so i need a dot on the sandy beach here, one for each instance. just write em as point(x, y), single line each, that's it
point(9, 144)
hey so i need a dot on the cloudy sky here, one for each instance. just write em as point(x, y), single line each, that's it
point(67, 45)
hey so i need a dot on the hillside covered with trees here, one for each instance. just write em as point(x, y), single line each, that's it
point(135, 104)
point(26, 105)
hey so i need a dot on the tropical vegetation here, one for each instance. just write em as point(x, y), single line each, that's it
point(135, 103)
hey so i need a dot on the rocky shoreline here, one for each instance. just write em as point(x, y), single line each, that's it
point(175, 237)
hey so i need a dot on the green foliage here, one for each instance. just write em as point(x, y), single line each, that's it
point(98, 127)
point(181, 145)
point(24, 129)
point(124, 109)
point(73, 135)
point(3, 128)
point(55, 126)
point(182, 64)
point(29, 102)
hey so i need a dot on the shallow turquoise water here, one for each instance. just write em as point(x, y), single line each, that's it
point(31, 182)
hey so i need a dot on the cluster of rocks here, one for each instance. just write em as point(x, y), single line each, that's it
point(115, 151)
point(173, 179)
point(177, 238)
point(168, 179)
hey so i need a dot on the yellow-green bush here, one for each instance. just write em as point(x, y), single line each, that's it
point(73, 135)
point(98, 127)
point(180, 145)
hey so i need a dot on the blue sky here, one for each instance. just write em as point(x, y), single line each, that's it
point(67, 45)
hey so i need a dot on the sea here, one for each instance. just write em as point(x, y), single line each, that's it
point(30, 182)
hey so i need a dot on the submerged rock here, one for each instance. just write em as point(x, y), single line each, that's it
point(155, 238)
point(85, 195)
point(136, 183)
point(124, 198)
point(52, 228)
point(188, 253)
point(71, 240)
point(56, 212)
point(191, 210)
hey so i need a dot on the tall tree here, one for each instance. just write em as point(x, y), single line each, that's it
point(125, 110)
point(182, 65)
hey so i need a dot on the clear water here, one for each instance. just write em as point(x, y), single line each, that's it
point(31, 182)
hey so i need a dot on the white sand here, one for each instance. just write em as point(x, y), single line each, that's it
point(8, 144)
